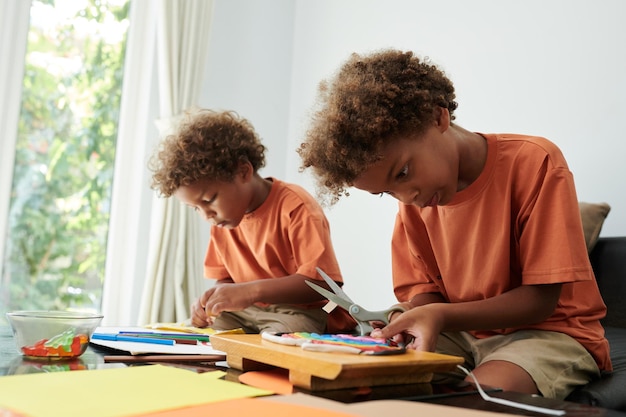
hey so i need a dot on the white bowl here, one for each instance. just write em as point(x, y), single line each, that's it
point(52, 334)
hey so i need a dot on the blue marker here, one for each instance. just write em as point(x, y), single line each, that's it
point(121, 338)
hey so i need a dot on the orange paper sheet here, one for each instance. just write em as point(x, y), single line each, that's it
point(379, 408)
point(251, 407)
point(275, 380)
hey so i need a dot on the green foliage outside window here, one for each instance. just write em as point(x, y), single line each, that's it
point(62, 182)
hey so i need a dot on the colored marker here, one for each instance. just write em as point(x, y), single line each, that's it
point(122, 338)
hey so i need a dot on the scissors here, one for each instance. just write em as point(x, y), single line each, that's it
point(362, 316)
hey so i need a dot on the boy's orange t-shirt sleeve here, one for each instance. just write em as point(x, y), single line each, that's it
point(311, 246)
point(409, 271)
point(213, 266)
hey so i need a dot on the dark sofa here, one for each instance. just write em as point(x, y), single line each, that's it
point(608, 258)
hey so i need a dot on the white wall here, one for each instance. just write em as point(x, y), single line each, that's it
point(249, 69)
point(555, 68)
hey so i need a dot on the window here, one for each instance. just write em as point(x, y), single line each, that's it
point(54, 255)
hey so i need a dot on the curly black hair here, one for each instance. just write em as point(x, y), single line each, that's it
point(207, 144)
point(371, 100)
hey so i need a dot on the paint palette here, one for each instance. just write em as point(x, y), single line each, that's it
point(340, 343)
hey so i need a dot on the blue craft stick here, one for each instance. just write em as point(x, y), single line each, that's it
point(120, 338)
point(182, 335)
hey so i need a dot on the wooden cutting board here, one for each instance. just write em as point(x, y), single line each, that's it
point(318, 371)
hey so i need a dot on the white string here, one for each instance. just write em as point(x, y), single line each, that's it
point(528, 407)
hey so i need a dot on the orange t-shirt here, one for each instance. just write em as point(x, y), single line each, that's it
point(287, 234)
point(517, 224)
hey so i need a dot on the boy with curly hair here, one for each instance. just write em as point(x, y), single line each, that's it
point(267, 236)
point(488, 253)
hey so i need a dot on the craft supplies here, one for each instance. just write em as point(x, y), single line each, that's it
point(343, 343)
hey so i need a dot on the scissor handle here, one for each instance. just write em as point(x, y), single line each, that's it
point(364, 317)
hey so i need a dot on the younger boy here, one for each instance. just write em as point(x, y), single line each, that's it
point(267, 236)
point(488, 253)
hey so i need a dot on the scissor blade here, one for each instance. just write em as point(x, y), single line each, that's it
point(333, 285)
point(345, 304)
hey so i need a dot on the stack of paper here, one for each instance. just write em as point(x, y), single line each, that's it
point(141, 340)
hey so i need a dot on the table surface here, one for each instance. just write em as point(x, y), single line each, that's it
point(12, 363)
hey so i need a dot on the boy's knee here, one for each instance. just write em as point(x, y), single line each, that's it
point(505, 375)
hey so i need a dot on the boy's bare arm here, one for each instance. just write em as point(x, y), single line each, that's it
point(524, 305)
point(422, 299)
point(291, 289)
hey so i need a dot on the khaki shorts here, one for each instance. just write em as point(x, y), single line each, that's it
point(280, 318)
point(555, 361)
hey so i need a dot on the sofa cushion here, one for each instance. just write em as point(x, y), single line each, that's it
point(608, 259)
point(608, 391)
point(592, 215)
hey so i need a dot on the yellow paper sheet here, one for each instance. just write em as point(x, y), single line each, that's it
point(115, 392)
point(186, 327)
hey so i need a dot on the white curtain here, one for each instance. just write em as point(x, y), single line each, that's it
point(174, 275)
point(14, 18)
point(131, 198)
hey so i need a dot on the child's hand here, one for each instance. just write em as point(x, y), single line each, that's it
point(228, 297)
point(199, 317)
point(417, 328)
point(406, 306)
